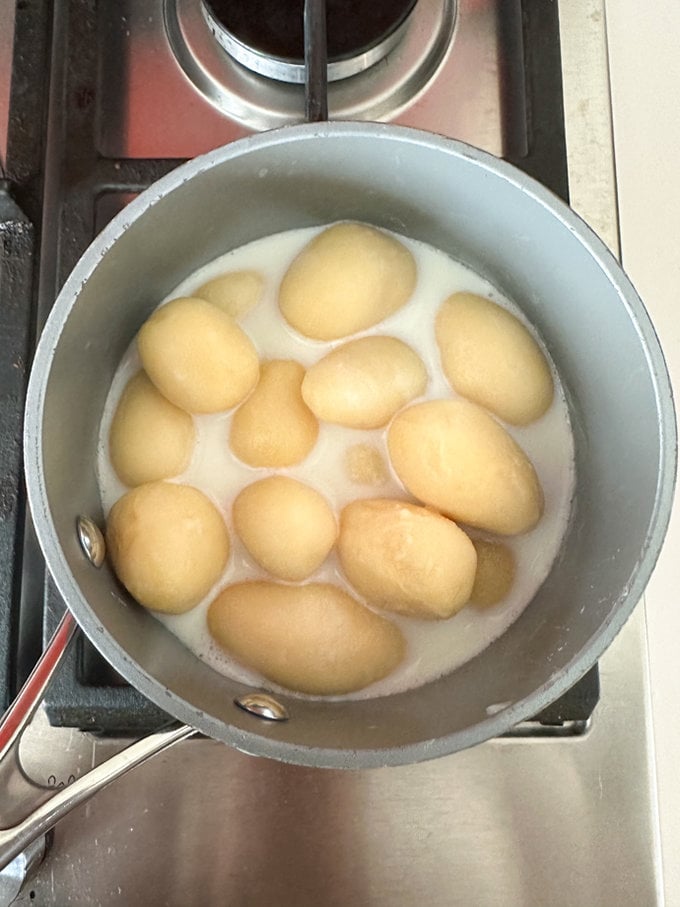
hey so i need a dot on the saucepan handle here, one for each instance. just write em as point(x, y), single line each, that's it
point(33, 809)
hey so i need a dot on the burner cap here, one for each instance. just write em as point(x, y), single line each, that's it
point(268, 35)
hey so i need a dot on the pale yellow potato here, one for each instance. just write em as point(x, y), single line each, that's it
point(287, 527)
point(348, 278)
point(453, 455)
point(150, 438)
point(236, 293)
point(365, 465)
point(490, 357)
point(274, 427)
point(495, 572)
point(406, 558)
point(363, 383)
point(313, 639)
point(197, 356)
point(168, 545)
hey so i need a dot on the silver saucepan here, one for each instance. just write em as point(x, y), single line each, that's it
point(494, 219)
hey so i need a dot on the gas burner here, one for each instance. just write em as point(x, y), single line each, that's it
point(412, 40)
point(267, 36)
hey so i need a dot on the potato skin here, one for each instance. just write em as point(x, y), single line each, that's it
point(168, 545)
point(313, 639)
point(406, 558)
point(197, 356)
point(274, 427)
point(236, 292)
point(363, 383)
point(150, 438)
point(348, 278)
point(495, 575)
point(288, 527)
point(490, 358)
point(454, 456)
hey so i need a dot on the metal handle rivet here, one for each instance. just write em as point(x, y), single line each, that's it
point(91, 540)
point(263, 706)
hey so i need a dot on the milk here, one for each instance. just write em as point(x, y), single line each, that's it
point(434, 648)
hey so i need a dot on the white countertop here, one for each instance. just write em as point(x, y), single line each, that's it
point(643, 40)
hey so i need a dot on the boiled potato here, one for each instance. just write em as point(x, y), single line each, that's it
point(495, 572)
point(490, 357)
point(314, 638)
point(454, 456)
point(168, 545)
point(150, 438)
point(348, 278)
point(274, 427)
point(236, 293)
point(365, 465)
point(362, 384)
point(406, 558)
point(197, 356)
point(288, 527)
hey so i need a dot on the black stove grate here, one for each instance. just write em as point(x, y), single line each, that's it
point(21, 198)
point(63, 172)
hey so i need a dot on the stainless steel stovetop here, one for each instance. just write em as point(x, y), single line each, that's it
point(527, 820)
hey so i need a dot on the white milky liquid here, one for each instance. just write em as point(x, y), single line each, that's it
point(434, 647)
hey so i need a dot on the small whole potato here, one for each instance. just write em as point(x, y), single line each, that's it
point(495, 572)
point(197, 356)
point(490, 357)
point(168, 545)
point(365, 465)
point(236, 293)
point(406, 558)
point(274, 427)
point(453, 455)
point(288, 527)
point(150, 438)
point(363, 383)
point(348, 278)
point(313, 639)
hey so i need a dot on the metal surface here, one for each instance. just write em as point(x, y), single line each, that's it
point(289, 71)
point(263, 705)
point(30, 810)
point(259, 103)
point(220, 102)
point(13, 877)
point(316, 61)
point(91, 540)
point(18, 716)
point(509, 824)
point(23, 833)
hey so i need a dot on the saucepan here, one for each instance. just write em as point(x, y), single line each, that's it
point(494, 219)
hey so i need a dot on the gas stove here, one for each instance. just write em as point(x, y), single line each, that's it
point(105, 99)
